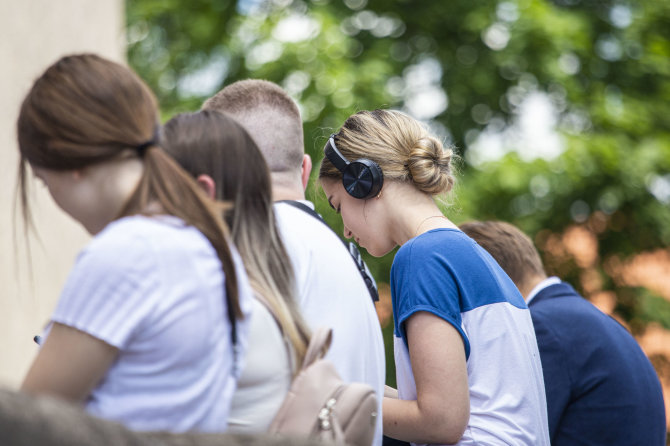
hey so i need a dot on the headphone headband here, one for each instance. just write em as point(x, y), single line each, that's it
point(334, 155)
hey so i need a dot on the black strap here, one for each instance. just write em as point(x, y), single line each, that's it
point(233, 340)
point(351, 248)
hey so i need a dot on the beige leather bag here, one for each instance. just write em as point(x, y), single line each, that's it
point(320, 405)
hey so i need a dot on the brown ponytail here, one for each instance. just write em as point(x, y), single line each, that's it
point(85, 110)
point(165, 182)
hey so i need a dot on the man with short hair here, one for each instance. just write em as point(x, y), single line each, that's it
point(331, 290)
point(601, 388)
point(273, 120)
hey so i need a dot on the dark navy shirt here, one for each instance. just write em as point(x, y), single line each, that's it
point(601, 388)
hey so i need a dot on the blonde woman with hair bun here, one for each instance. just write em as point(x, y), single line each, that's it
point(467, 363)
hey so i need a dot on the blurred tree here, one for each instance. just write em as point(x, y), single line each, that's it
point(560, 110)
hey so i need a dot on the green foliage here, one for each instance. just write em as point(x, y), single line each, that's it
point(640, 307)
point(604, 65)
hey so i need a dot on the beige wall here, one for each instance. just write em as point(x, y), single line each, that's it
point(34, 33)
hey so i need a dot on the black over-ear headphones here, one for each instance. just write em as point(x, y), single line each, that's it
point(362, 178)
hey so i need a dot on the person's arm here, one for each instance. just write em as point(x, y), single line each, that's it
point(69, 365)
point(442, 409)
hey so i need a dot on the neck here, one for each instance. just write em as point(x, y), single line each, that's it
point(281, 193)
point(528, 284)
point(411, 212)
point(286, 188)
point(115, 181)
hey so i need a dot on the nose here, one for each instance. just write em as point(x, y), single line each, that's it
point(348, 233)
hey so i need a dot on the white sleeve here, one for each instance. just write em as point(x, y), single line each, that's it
point(106, 292)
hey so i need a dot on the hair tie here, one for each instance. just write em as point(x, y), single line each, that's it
point(142, 148)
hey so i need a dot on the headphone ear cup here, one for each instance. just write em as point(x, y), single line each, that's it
point(362, 178)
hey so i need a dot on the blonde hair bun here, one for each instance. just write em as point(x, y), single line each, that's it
point(401, 146)
point(429, 165)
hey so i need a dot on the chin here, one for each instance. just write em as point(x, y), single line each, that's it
point(379, 251)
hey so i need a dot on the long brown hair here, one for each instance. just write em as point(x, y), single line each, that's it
point(211, 143)
point(85, 110)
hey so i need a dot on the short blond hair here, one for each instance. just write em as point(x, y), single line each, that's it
point(401, 146)
point(269, 115)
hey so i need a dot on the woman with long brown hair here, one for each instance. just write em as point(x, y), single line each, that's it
point(150, 328)
point(226, 162)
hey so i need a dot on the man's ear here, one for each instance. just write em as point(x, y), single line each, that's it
point(306, 169)
point(208, 185)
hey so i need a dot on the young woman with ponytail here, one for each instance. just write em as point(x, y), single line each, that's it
point(226, 162)
point(467, 362)
point(151, 328)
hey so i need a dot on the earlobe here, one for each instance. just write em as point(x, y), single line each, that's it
point(208, 185)
point(306, 169)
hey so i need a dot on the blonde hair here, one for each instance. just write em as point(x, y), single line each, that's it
point(400, 145)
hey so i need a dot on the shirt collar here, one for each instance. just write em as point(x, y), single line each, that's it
point(307, 203)
point(553, 280)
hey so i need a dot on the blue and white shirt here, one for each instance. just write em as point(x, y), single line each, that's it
point(444, 272)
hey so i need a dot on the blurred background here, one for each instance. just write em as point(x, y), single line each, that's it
point(559, 111)
point(35, 264)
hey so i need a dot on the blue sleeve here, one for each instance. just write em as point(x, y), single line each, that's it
point(423, 281)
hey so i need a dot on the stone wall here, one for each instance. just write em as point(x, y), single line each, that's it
point(34, 264)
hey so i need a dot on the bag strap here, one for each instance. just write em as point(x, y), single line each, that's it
point(233, 340)
point(351, 248)
point(319, 344)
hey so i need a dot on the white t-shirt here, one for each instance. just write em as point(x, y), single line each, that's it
point(154, 289)
point(266, 375)
point(332, 293)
